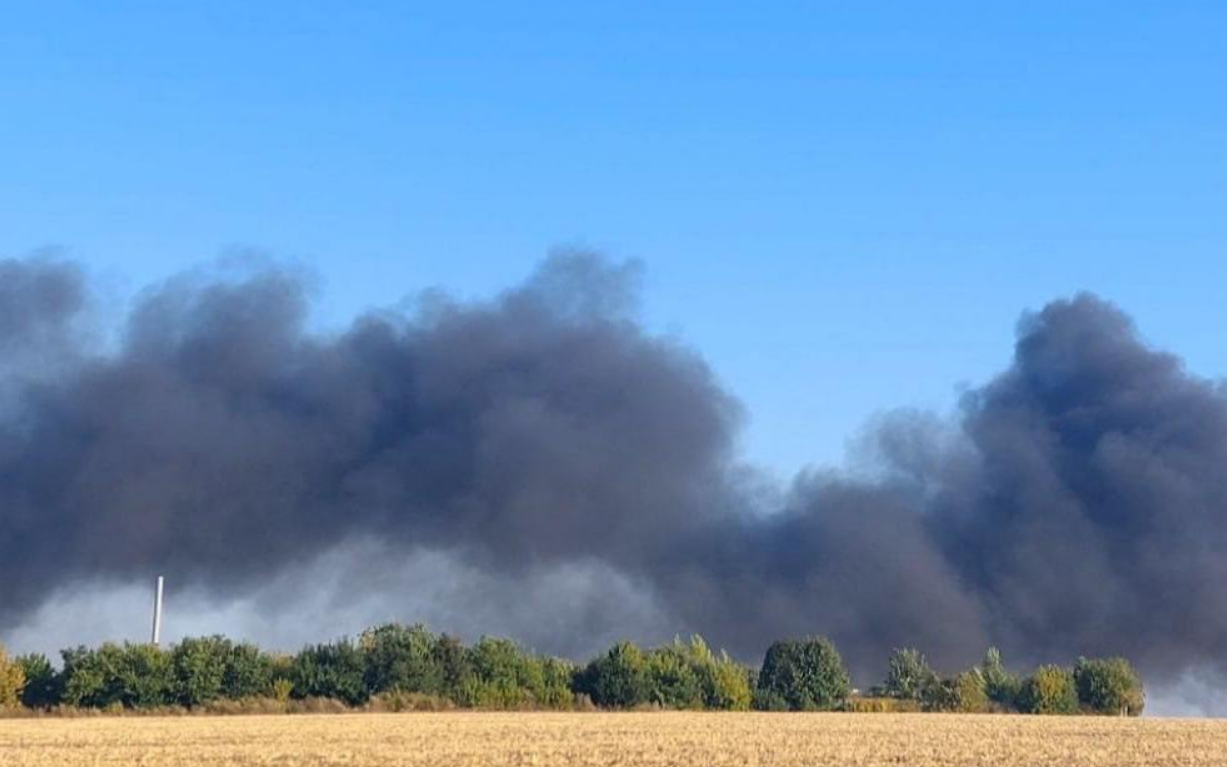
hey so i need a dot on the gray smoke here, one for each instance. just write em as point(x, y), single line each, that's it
point(1075, 505)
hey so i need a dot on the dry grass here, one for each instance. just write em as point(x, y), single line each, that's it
point(625, 739)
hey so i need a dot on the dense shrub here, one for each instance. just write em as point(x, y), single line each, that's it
point(84, 678)
point(209, 668)
point(12, 681)
point(963, 693)
point(501, 675)
point(125, 676)
point(803, 675)
point(42, 688)
point(402, 659)
point(678, 675)
point(1109, 686)
point(726, 684)
point(453, 662)
point(406, 668)
point(199, 666)
point(909, 677)
point(1000, 685)
point(880, 705)
point(673, 679)
point(1050, 690)
point(396, 701)
point(688, 675)
point(248, 673)
point(335, 670)
point(764, 699)
point(559, 675)
point(617, 679)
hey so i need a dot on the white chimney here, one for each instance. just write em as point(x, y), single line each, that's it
point(157, 613)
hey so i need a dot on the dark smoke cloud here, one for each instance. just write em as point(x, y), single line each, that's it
point(1074, 505)
point(222, 441)
point(1095, 515)
point(40, 304)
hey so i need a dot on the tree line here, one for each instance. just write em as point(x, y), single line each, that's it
point(398, 667)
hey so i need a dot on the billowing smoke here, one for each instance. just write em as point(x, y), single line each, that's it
point(1076, 504)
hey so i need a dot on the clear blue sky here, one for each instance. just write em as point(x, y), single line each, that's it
point(845, 206)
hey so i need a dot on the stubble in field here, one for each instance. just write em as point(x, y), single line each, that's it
point(562, 740)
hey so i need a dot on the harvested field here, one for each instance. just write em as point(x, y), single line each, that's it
point(547, 740)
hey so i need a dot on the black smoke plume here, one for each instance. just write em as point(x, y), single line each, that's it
point(1076, 504)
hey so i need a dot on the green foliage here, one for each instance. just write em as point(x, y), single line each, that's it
point(248, 673)
point(83, 678)
point(127, 676)
point(726, 685)
point(453, 663)
point(397, 701)
point(12, 681)
point(673, 677)
point(678, 675)
point(688, 675)
point(402, 659)
point(970, 692)
point(963, 693)
point(409, 663)
point(805, 674)
point(282, 689)
point(880, 705)
point(768, 700)
point(211, 668)
point(335, 670)
point(909, 677)
point(199, 667)
point(146, 676)
point(42, 688)
point(1109, 686)
point(400, 668)
point(500, 675)
point(617, 679)
point(1002, 687)
point(559, 676)
point(1050, 690)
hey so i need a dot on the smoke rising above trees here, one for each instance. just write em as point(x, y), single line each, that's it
point(1075, 504)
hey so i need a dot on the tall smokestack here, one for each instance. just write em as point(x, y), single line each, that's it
point(157, 613)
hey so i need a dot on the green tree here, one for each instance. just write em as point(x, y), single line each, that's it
point(688, 675)
point(617, 679)
point(145, 678)
point(402, 658)
point(501, 675)
point(453, 662)
point(909, 677)
point(559, 676)
point(12, 681)
point(729, 687)
point(249, 673)
point(1109, 686)
point(128, 675)
point(1000, 685)
point(803, 675)
point(200, 669)
point(42, 683)
point(335, 670)
point(1050, 690)
point(963, 693)
point(84, 678)
point(674, 679)
point(725, 683)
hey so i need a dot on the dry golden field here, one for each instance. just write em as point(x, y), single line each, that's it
point(605, 738)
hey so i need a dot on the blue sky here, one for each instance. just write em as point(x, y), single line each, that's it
point(845, 206)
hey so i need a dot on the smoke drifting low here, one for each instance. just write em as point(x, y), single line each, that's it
point(1077, 503)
